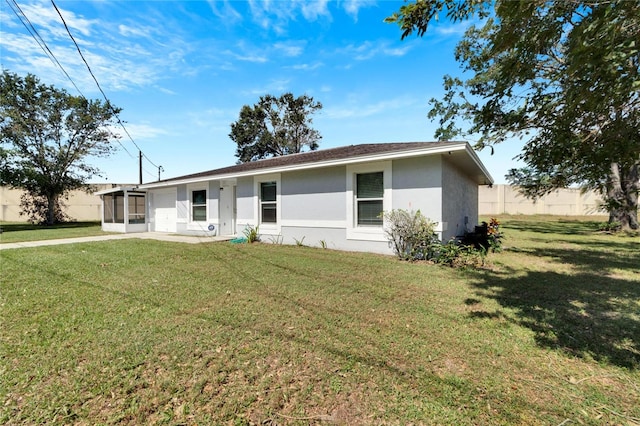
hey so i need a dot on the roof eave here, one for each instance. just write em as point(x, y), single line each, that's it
point(131, 188)
point(485, 177)
point(318, 164)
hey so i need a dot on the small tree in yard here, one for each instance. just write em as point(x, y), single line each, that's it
point(46, 137)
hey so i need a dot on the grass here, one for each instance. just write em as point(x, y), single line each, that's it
point(13, 232)
point(140, 331)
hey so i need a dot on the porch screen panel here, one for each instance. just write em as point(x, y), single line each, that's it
point(136, 209)
point(107, 202)
point(119, 208)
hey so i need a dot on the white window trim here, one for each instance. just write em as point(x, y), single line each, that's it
point(367, 233)
point(267, 228)
point(191, 224)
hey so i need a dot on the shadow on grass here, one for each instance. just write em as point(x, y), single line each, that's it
point(591, 312)
point(14, 227)
point(560, 226)
point(599, 259)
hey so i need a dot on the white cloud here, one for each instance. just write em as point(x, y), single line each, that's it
point(312, 10)
point(396, 51)
point(42, 14)
point(369, 50)
point(143, 131)
point(166, 91)
point(274, 87)
point(121, 55)
point(290, 48)
point(307, 67)
point(272, 15)
point(352, 7)
point(129, 31)
point(355, 108)
point(449, 29)
point(226, 13)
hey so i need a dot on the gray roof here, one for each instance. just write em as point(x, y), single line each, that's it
point(345, 153)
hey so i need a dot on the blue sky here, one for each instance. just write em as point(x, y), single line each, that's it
point(182, 70)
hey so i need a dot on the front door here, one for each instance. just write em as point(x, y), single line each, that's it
point(227, 210)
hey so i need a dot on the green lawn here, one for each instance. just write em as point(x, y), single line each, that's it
point(140, 331)
point(13, 232)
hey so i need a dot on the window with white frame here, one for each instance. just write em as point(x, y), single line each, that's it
point(199, 205)
point(268, 202)
point(369, 193)
point(369, 198)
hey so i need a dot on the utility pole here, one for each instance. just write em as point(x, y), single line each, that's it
point(140, 167)
point(160, 169)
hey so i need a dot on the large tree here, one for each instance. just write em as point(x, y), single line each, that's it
point(47, 136)
point(275, 126)
point(562, 74)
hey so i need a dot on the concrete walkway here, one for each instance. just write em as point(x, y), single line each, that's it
point(141, 235)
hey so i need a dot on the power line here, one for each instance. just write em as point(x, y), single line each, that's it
point(36, 36)
point(98, 84)
point(43, 45)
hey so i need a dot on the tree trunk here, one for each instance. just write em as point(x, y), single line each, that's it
point(51, 209)
point(622, 196)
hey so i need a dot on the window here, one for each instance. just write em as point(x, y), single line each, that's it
point(369, 193)
point(199, 205)
point(268, 205)
point(369, 198)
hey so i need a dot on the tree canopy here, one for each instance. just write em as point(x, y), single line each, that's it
point(275, 126)
point(564, 75)
point(47, 135)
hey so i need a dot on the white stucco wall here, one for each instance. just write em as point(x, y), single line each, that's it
point(316, 206)
point(417, 186)
point(213, 203)
point(244, 204)
point(460, 201)
point(314, 198)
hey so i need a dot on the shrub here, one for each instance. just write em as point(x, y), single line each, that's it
point(412, 235)
point(413, 238)
point(251, 233)
point(494, 236)
point(485, 237)
point(459, 255)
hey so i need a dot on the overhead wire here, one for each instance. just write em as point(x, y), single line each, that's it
point(24, 19)
point(17, 10)
point(93, 75)
point(15, 7)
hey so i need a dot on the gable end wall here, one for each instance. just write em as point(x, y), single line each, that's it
point(459, 201)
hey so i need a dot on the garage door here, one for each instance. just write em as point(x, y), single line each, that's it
point(164, 207)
